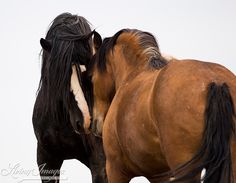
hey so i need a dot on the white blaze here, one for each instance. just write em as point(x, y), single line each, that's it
point(80, 99)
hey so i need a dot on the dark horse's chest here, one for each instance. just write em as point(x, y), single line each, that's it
point(57, 141)
point(57, 135)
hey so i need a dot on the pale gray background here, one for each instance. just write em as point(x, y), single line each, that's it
point(200, 29)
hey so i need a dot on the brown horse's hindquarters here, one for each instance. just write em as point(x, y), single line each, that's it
point(215, 150)
point(195, 122)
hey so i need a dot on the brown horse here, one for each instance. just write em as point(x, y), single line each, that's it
point(157, 116)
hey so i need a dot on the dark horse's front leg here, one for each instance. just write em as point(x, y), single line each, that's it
point(49, 165)
point(98, 174)
point(97, 161)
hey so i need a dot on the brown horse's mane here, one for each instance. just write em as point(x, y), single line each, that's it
point(143, 43)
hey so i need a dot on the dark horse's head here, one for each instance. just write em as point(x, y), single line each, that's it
point(68, 43)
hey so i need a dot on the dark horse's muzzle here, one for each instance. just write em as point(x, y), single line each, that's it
point(94, 129)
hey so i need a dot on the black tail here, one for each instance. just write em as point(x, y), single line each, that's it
point(215, 151)
point(218, 131)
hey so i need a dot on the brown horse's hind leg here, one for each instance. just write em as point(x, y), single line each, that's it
point(115, 174)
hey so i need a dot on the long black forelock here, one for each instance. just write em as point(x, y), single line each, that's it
point(70, 36)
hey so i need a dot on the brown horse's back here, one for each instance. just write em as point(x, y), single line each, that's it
point(179, 102)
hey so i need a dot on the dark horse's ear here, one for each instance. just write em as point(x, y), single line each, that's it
point(46, 45)
point(97, 40)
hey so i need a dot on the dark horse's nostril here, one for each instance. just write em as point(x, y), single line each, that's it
point(80, 128)
point(93, 128)
point(80, 124)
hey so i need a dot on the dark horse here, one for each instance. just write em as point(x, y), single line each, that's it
point(56, 115)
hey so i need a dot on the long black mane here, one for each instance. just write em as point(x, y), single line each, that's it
point(70, 42)
point(146, 40)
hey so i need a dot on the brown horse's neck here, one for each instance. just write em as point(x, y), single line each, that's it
point(126, 67)
point(133, 53)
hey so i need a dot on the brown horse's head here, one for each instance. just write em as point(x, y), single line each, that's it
point(103, 88)
point(128, 51)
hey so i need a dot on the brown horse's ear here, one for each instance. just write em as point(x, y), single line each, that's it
point(97, 40)
point(46, 45)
